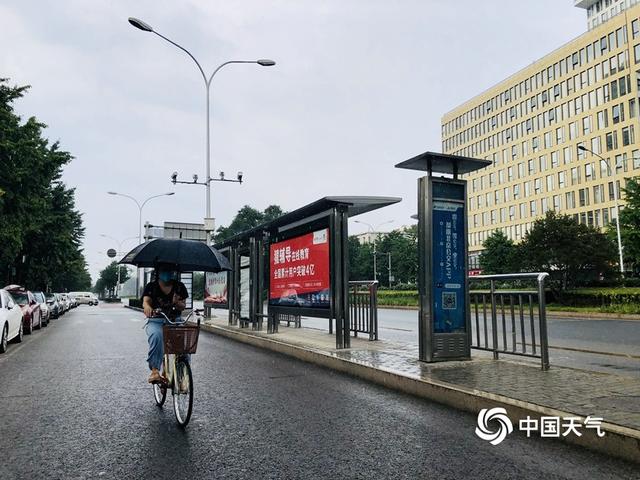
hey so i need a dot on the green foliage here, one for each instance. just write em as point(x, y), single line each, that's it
point(108, 280)
point(572, 253)
point(198, 286)
point(499, 255)
point(405, 298)
point(246, 219)
point(360, 260)
point(41, 231)
point(403, 246)
point(630, 222)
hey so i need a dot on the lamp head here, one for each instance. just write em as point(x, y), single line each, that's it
point(112, 193)
point(265, 62)
point(240, 177)
point(140, 24)
point(582, 147)
point(174, 177)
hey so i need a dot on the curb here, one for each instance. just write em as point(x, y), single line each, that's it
point(620, 442)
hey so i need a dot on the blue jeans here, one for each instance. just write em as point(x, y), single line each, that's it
point(153, 328)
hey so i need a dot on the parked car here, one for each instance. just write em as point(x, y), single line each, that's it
point(10, 320)
point(95, 300)
point(44, 307)
point(54, 306)
point(73, 303)
point(85, 298)
point(31, 314)
point(64, 301)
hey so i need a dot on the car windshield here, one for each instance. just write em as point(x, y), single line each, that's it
point(39, 297)
point(20, 298)
point(50, 296)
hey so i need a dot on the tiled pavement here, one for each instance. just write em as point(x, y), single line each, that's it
point(614, 398)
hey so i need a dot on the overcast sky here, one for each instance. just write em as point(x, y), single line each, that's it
point(359, 86)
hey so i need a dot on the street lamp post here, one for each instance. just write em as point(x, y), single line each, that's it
point(373, 231)
point(615, 198)
point(119, 242)
point(140, 207)
point(207, 83)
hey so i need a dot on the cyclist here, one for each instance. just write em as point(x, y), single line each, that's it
point(168, 294)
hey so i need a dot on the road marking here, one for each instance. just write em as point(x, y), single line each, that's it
point(106, 320)
point(135, 319)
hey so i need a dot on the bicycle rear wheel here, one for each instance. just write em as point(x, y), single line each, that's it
point(159, 393)
point(183, 393)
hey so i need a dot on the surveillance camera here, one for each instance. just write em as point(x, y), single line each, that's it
point(240, 177)
point(221, 175)
point(195, 178)
point(174, 177)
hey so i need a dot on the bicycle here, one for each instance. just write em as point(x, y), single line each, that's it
point(178, 341)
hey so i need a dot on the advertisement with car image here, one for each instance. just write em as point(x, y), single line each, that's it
point(299, 273)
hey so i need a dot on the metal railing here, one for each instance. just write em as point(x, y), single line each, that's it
point(504, 320)
point(363, 308)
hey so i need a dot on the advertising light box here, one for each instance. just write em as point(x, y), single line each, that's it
point(299, 273)
point(215, 290)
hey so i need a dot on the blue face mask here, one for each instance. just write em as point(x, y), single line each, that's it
point(167, 276)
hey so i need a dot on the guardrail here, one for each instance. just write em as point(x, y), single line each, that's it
point(363, 308)
point(498, 317)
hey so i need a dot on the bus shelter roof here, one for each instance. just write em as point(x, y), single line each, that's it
point(355, 206)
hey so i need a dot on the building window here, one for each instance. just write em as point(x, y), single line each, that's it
point(570, 199)
point(561, 180)
point(575, 176)
point(627, 136)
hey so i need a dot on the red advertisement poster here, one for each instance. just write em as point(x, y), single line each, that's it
point(300, 271)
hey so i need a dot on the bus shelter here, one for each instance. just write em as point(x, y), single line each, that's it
point(297, 263)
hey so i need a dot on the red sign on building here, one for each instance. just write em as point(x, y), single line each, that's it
point(300, 271)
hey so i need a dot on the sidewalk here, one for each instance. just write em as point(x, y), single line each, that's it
point(520, 387)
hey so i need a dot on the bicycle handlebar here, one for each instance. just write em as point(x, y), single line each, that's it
point(198, 311)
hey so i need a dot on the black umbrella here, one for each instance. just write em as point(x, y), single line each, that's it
point(187, 255)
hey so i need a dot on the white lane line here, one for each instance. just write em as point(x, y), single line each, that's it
point(135, 319)
point(106, 320)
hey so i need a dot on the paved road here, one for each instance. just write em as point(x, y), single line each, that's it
point(74, 405)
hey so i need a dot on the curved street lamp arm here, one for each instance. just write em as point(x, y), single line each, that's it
point(150, 198)
point(204, 77)
point(224, 64)
point(129, 196)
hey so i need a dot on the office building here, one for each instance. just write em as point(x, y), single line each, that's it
point(530, 125)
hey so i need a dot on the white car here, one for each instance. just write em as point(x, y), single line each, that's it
point(10, 320)
point(85, 298)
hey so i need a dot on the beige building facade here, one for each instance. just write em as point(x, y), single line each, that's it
point(530, 125)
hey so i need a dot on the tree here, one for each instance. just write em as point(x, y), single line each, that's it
point(571, 252)
point(108, 279)
point(630, 222)
point(41, 231)
point(360, 260)
point(499, 255)
point(198, 286)
point(403, 247)
point(246, 219)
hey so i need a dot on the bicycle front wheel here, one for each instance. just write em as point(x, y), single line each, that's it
point(183, 393)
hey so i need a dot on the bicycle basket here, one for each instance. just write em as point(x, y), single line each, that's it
point(180, 339)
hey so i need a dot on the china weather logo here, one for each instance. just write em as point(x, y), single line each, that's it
point(497, 416)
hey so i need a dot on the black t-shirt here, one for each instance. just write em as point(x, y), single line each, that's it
point(165, 301)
